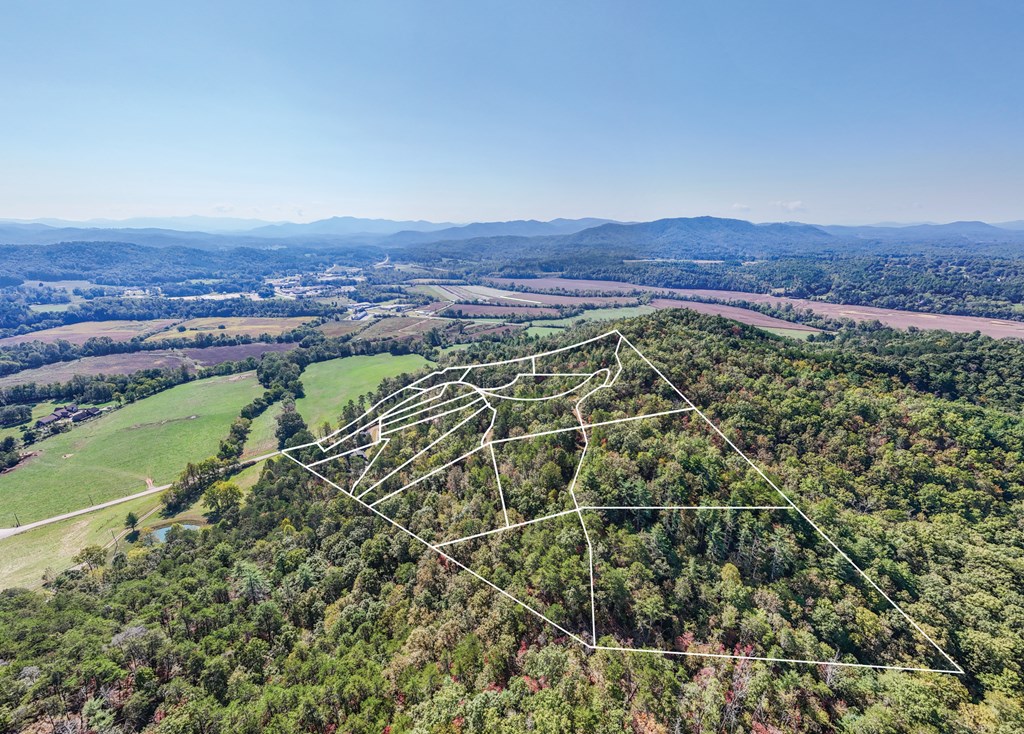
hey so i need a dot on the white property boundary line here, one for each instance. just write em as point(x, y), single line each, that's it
point(352, 429)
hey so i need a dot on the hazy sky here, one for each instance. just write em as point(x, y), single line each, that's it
point(819, 111)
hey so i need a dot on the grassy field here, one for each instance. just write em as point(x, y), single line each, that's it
point(79, 333)
point(329, 385)
point(108, 364)
point(25, 558)
point(434, 291)
point(800, 334)
point(112, 456)
point(233, 326)
point(603, 314)
point(341, 328)
point(261, 438)
point(400, 327)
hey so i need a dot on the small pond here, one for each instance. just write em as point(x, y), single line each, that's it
point(160, 534)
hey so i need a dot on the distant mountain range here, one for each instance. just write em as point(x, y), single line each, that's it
point(676, 237)
point(952, 232)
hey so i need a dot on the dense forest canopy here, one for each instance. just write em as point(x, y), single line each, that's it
point(299, 612)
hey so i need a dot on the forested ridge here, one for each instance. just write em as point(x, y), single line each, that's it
point(301, 612)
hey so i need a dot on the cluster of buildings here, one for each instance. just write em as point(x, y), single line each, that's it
point(69, 412)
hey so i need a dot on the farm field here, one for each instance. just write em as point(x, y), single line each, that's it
point(80, 333)
point(546, 299)
point(25, 558)
point(341, 328)
point(996, 328)
point(108, 364)
point(114, 455)
point(209, 356)
point(400, 327)
point(791, 333)
point(330, 385)
point(488, 309)
point(456, 348)
point(434, 291)
point(261, 438)
point(743, 315)
point(603, 314)
point(233, 326)
point(124, 364)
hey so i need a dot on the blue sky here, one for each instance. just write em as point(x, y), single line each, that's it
point(814, 111)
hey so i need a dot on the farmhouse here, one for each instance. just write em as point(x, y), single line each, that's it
point(69, 411)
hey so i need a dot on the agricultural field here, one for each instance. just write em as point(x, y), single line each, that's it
point(108, 364)
point(342, 328)
point(210, 356)
point(330, 385)
point(125, 364)
point(546, 299)
point(434, 291)
point(488, 309)
point(49, 307)
point(743, 315)
point(401, 327)
point(232, 326)
point(800, 334)
point(996, 328)
point(603, 314)
point(114, 455)
point(26, 557)
point(261, 438)
point(120, 331)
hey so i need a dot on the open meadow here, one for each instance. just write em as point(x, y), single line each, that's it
point(114, 455)
point(330, 385)
point(601, 314)
point(231, 326)
point(80, 333)
point(26, 557)
point(996, 328)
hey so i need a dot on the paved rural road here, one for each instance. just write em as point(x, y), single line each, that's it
point(8, 532)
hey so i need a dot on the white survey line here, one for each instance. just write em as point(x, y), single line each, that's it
point(497, 478)
point(399, 419)
point(369, 464)
point(686, 507)
point(723, 656)
point(591, 425)
point(458, 409)
point(802, 514)
point(425, 476)
point(513, 526)
point(579, 509)
point(380, 514)
point(424, 450)
point(343, 454)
